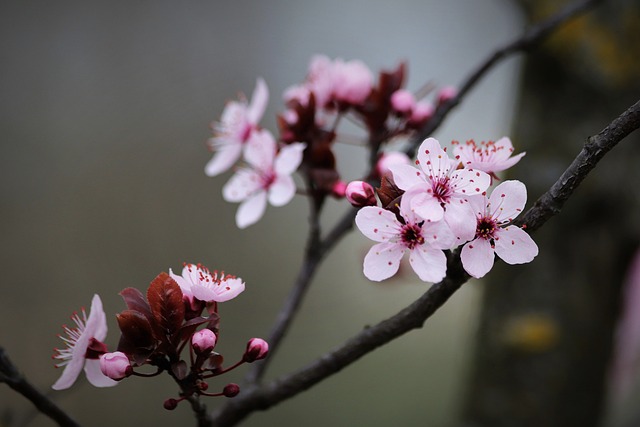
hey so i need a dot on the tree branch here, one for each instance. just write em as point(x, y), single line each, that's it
point(10, 375)
point(414, 316)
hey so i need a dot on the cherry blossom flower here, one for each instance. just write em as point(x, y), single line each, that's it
point(493, 235)
point(390, 158)
point(268, 177)
point(239, 120)
point(198, 282)
point(424, 240)
point(352, 81)
point(360, 193)
point(444, 189)
point(83, 347)
point(490, 157)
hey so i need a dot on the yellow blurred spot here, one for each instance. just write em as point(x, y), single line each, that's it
point(533, 333)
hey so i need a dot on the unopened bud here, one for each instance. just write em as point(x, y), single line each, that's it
point(403, 101)
point(170, 404)
point(422, 112)
point(231, 390)
point(115, 365)
point(391, 158)
point(257, 349)
point(447, 93)
point(338, 189)
point(203, 341)
point(360, 193)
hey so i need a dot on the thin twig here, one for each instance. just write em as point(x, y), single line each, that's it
point(415, 315)
point(10, 375)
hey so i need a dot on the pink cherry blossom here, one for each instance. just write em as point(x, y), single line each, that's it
point(403, 101)
point(442, 191)
point(352, 81)
point(421, 113)
point(390, 158)
point(198, 282)
point(490, 157)
point(239, 120)
point(268, 177)
point(424, 240)
point(360, 193)
point(493, 235)
point(88, 333)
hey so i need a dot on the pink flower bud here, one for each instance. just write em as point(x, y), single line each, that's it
point(257, 349)
point(115, 365)
point(338, 189)
point(422, 112)
point(203, 341)
point(447, 93)
point(403, 101)
point(170, 404)
point(391, 158)
point(231, 390)
point(360, 193)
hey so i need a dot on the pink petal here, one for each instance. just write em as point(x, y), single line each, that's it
point(504, 149)
point(259, 100)
point(433, 160)
point(430, 264)
point(223, 159)
point(425, 206)
point(184, 286)
point(282, 190)
point(500, 166)
point(251, 210)
point(231, 288)
point(377, 224)
point(461, 219)
point(382, 261)
point(507, 201)
point(95, 376)
point(240, 186)
point(477, 257)
point(260, 150)
point(469, 182)
point(406, 176)
point(289, 158)
point(515, 246)
point(438, 235)
point(70, 372)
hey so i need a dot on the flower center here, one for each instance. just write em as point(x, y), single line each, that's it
point(486, 228)
point(412, 235)
point(441, 189)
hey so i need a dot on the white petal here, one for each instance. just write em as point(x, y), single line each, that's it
point(260, 150)
point(406, 176)
point(223, 159)
point(377, 224)
point(438, 234)
point(430, 264)
point(251, 210)
point(231, 288)
point(433, 160)
point(240, 186)
point(282, 190)
point(427, 207)
point(259, 100)
point(460, 217)
point(96, 326)
point(507, 201)
point(504, 149)
point(477, 257)
point(95, 376)
point(382, 261)
point(470, 182)
point(289, 158)
point(500, 166)
point(515, 246)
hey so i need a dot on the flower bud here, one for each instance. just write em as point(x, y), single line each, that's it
point(115, 365)
point(422, 112)
point(170, 404)
point(403, 101)
point(203, 341)
point(257, 349)
point(360, 193)
point(391, 158)
point(338, 189)
point(447, 93)
point(231, 390)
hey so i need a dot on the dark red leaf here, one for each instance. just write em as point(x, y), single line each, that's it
point(137, 340)
point(134, 299)
point(165, 300)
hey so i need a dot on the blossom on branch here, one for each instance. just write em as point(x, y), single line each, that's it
point(267, 177)
point(423, 239)
point(490, 157)
point(198, 282)
point(238, 122)
point(494, 235)
point(84, 346)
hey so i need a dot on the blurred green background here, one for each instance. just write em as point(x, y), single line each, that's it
point(105, 110)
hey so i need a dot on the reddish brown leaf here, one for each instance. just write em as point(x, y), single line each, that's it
point(134, 299)
point(137, 338)
point(166, 302)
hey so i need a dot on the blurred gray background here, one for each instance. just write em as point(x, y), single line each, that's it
point(104, 115)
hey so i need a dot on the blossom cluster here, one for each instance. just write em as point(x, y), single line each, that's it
point(443, 203)
point(177, 311)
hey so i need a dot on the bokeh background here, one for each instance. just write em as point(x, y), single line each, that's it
point(104, 115)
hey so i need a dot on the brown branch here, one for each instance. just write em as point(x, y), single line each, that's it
point(10, 375)
point(414, 316)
